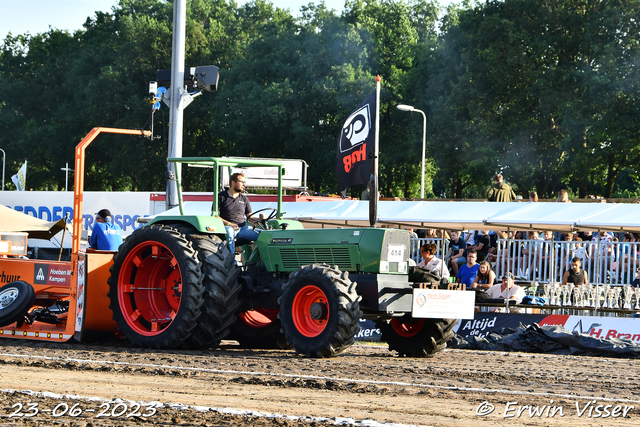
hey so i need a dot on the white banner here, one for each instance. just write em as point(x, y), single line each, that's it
point(125, 207)
point(443, 304)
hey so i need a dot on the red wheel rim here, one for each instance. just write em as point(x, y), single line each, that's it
point(260, 317)
point(149, 288)
point(406, 329)
point(310, 311)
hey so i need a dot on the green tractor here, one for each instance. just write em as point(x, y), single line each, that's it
point(175, 283)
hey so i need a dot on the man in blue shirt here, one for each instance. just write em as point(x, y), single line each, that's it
point(105, 236)
point(468, 272)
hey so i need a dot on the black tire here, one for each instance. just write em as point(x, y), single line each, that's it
point(264, 332)
point(330, 322)
point(16, 298)
point(417, 337)
point(221, 290)
point(160, 258)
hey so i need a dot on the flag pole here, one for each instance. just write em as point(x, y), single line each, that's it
point(374, 193)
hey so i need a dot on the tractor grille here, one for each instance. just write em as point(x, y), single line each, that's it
point(294, 258)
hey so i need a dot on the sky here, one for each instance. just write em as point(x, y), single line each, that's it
point(36, 16)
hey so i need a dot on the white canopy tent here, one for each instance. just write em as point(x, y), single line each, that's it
point(455, 215)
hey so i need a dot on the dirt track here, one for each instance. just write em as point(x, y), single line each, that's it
point(365, 384)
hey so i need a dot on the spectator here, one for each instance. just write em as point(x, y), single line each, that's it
point(431, 233)
point(439, 235)
point(575, 274)
point(533, 196)
point(366, 192)
point(563, 197)
point(105, 236)
point(499, 191)
point(457, 249)
point(430, 262)
point(468, 271)
point(580, 251)
point(482, 245)
point(636, 281)
point(485, 277)
point(470, 237)
point(507, 289)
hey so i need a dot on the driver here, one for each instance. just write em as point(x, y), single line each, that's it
point(234, 208)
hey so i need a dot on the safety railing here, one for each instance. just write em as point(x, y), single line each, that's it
point(544, 261)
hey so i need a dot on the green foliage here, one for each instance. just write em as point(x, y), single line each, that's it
point(547, 93)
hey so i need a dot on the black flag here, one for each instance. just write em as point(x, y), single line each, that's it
point(354, 161)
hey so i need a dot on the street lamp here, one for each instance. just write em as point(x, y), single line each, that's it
point(410, 109)
point(3, 159)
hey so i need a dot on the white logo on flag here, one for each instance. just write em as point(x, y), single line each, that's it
point(356, 128)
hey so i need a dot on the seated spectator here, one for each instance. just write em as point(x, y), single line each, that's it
point(533, 196)
point(470, 237)
point(430, 262)
point(636, 281)
point(485, 278)
point(483, 242)
point(439, 235)
point(507, 290)
point(575, 274)
point(468, 271)
point(580, 251)
point(457, 248)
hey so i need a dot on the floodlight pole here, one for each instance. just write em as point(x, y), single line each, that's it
point(176, 106)
point(66, 175)
point(4, 156)
point(410, 109)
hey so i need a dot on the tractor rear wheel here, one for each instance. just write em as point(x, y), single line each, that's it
point(16, 298)
point(417, 337)
point(156, 287)
point(259, 328)
point(319, 310)
point(221, 290)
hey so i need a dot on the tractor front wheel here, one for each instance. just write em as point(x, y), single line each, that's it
point(156, 287)
point(319, 310)
point(417, 337)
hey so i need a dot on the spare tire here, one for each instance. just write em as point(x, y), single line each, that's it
point(16, 298)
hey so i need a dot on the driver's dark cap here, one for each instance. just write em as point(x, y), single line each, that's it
point(104, 213)
point(508, 276)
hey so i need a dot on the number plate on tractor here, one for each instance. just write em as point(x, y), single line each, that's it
point(396, 253)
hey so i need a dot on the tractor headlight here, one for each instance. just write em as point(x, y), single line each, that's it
point(384, 266)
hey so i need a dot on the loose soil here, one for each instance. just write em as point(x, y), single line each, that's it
point(366, 384)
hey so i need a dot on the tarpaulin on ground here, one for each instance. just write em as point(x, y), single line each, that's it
point(551, 339)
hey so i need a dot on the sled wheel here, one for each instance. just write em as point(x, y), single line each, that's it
point(221, 290)
point(259, 328)
point(417, 337)
point(156, 288)
point(319, 310)
point(16, 298)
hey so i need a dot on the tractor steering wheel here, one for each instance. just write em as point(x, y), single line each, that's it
point(262, 222)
